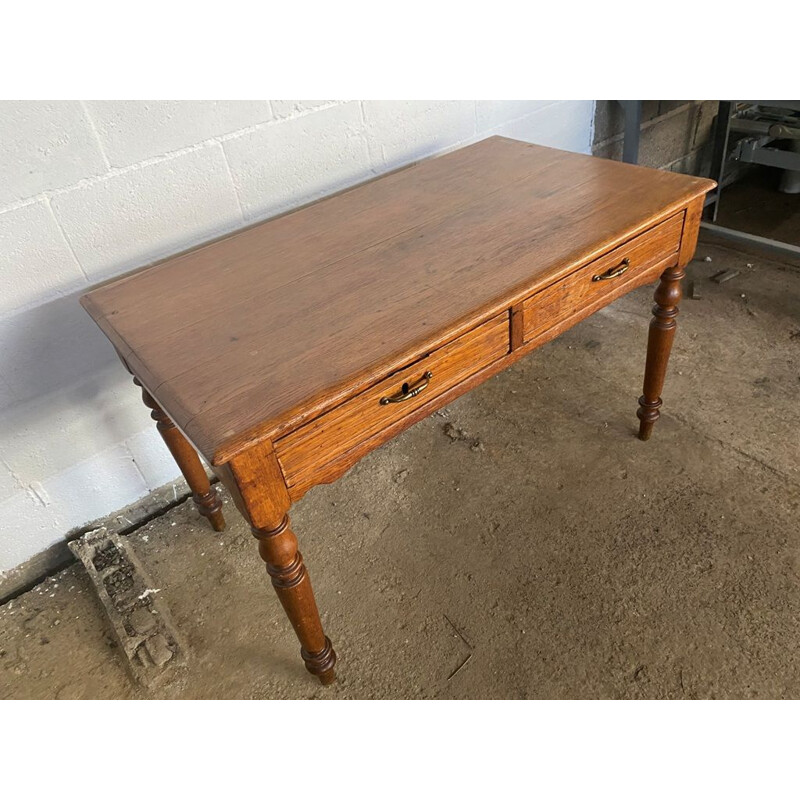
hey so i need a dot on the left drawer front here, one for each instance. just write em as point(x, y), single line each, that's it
point(361, 417)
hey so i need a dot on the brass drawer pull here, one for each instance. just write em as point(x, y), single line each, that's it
point(407, 392)
point(613, 272)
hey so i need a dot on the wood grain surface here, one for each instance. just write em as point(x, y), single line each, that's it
point(256, 334)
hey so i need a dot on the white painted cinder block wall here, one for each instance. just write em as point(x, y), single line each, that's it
point(92, 189)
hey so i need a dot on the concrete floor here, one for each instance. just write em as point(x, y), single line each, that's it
point(574, 560)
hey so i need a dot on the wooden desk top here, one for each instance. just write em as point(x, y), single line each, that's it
point(250, 335)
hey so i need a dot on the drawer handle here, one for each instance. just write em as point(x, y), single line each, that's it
point(407, 392)
point(613, 272)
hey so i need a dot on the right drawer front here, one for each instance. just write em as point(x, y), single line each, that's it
point(598, 282)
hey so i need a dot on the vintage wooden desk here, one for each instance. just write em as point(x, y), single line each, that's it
point(287, 351)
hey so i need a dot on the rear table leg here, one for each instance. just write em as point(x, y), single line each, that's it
point(204, 494)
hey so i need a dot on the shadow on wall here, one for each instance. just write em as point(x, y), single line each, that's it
point(72, 397)
point(62, 341)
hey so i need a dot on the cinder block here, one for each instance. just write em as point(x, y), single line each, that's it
point(141, 621)
point(492, 114)
point(35, 261)
point(705, 114)
point(609, 120)
point(565, 125)
point(95, 487)
point(291, 108)
point(51, 346)
point(667, 138)
point(46, 145)
point(665, 106)
point(612, 150)
point(132, 218)
point(152, 458)
point(132, 130)
point(51, 433)
point(403, 131)
point(28, 528)
point(292, 162)
point(695, 163)
point(651, 109)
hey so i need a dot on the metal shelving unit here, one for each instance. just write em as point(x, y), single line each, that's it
point(744, 132)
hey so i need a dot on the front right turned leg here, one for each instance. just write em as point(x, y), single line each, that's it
point(258, 488)
point(285, 567)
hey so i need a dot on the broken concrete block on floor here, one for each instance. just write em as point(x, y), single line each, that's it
point(154, 652)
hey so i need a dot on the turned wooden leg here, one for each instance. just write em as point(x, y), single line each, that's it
point(278, 548)
point(659, 344)
point(204, 494)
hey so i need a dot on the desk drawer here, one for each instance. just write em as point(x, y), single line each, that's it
point(364, 415)
point(603, 280)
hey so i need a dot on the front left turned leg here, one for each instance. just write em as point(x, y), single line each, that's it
point(278, 549)
point(205, 495)
point(659, 345)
